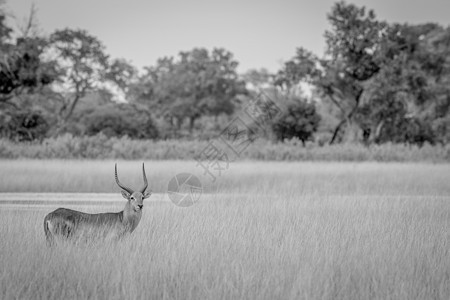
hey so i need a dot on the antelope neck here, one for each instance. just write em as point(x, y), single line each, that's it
point(130, 217)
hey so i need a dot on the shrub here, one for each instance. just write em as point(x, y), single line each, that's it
point(102, 147)
point(23, 125)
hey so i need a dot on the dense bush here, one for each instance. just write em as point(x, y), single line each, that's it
point(299, 120)
point(102, 147)
point(24, 125)
point(113, 120)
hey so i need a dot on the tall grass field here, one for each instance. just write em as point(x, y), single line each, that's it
point(261, 230)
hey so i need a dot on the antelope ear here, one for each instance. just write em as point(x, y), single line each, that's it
point(147, 194)
point(125, 194)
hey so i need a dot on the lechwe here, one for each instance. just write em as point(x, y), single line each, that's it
point(70, 224)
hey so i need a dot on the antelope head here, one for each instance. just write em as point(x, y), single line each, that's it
point(135, 198)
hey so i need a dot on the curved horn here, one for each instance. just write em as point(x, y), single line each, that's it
point(123, 187)
point(145, 179)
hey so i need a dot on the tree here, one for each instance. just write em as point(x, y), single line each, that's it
point(198, 83)
point(351, 59)
point(22, 67)
point(258, 79)
point(379, 76)
point(121, 78)
point(299, 120)
point(409, 98)
point(23, 73)
point(5, 30)
point(83, 64)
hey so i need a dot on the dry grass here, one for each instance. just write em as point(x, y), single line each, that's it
point(241, 177)
point(281, 231)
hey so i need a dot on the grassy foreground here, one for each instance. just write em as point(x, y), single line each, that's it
point(275, 231)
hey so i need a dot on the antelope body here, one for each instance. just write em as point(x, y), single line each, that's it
point(65, 223)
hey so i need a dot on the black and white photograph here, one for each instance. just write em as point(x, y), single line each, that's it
point(168, 149)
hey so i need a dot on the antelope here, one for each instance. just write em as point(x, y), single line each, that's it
point(68, 224)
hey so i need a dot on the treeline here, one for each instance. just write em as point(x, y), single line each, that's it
point(376, 83)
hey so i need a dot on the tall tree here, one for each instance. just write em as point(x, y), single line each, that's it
point(83, 64)
point(22, 64)
point(388, 81)
point(409, 99)
point(351, 59)
point(258, 79)
point(198, 83)
point(24, 71)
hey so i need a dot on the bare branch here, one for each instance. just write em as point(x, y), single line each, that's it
point(30, 26)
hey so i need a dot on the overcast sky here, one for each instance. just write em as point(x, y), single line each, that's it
point(260, 33)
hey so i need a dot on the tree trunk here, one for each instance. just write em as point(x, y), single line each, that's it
point(72, 108)
point(352, 135)
point(336, 131)
point(191, 124)
point(375, 137)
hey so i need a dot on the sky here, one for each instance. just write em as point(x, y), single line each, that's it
point(260, 33)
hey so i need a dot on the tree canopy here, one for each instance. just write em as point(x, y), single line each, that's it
point(389, 82)
point(198, 83)
point(376, 82)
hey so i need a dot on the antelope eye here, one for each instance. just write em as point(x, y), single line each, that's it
point(132, 198)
